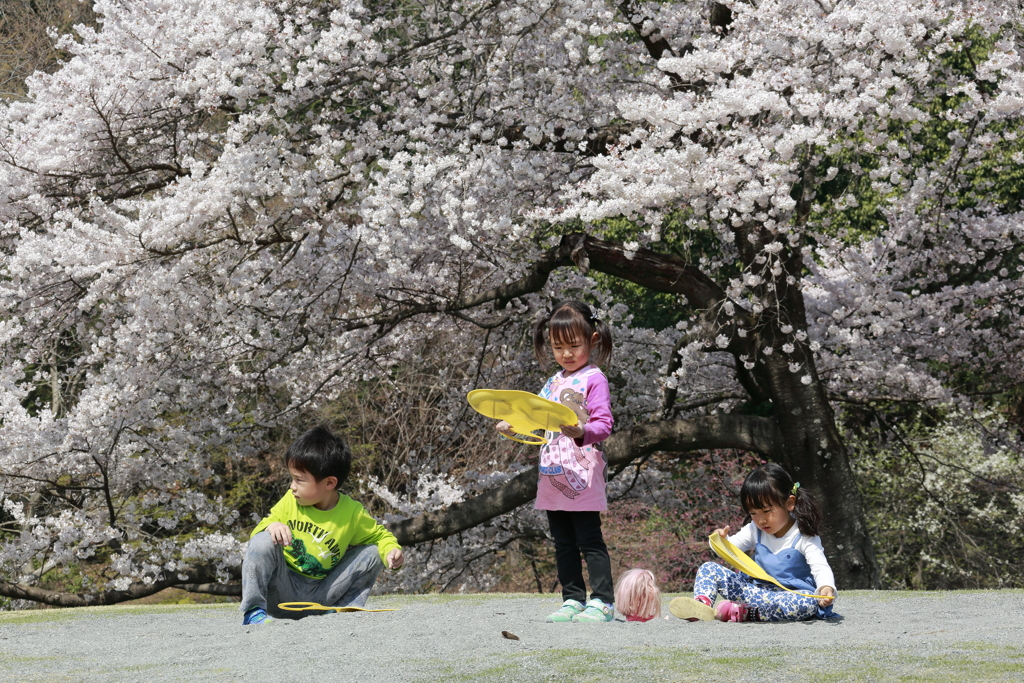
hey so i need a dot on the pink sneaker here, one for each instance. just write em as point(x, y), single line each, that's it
point(728, 610)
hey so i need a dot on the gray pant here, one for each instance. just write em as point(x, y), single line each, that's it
point(267, 580)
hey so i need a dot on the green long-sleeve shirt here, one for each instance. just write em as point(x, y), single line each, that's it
point(321, 537)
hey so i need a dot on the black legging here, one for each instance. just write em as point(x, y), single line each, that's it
point(576, 532)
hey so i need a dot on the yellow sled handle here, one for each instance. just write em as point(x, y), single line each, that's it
point(528, 439)
point(301, 606)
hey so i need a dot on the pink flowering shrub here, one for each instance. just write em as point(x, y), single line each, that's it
point(662, 522)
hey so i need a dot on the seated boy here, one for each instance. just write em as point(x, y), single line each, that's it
point(316, 545)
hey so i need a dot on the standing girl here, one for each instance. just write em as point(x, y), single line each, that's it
point(783, 533)
point(571, 486)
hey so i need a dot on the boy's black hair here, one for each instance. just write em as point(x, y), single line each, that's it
point(770, 485)
point(573, 320)
point(321, 454)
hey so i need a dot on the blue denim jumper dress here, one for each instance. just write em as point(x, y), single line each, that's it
point(789, 567)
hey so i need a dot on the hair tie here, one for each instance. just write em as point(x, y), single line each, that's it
point(796, 487)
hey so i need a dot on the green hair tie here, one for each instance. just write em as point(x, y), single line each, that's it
point(796, 487)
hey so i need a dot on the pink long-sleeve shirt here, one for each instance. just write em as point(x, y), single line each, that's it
point(573, 471)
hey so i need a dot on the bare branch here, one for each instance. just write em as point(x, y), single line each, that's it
point(744, 432)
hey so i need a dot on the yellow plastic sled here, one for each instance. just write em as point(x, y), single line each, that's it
point(526, 412)
point(744, 563)
point(301, 606)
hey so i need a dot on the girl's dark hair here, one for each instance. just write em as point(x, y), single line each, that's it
point(769, 486)
point(321, 454)
point(573, 320)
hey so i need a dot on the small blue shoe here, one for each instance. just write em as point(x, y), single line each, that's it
point(595, 611)
point(257, 615)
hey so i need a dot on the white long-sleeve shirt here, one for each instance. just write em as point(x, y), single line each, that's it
point(810, 546)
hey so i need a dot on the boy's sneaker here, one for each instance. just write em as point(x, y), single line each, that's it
point(691, 610)
point(596, 610)
point(565, 613)
point(257, 615)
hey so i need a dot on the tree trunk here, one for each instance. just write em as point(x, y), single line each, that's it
point(816, 456)
point(814, 451)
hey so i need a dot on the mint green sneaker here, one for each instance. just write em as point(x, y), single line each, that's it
point(566, 613)
point(595, 611)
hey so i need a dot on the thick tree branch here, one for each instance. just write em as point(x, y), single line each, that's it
point(658, 272)
point(231, 588)
point(744, 432)
point(532, 281)
point(671, 274)
point(195, 578)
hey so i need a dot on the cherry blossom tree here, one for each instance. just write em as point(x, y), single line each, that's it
point(218, 215)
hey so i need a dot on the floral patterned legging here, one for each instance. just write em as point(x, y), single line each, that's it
point(773, 604)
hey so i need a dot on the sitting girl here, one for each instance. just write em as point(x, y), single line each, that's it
point(783, 533)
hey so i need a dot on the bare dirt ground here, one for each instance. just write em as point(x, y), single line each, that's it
point(899, 636)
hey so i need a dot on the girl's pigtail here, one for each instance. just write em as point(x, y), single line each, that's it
point(539, 342)
point(807, 512)
point(601, 353)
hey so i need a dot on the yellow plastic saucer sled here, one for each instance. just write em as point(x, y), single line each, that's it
point(526, 412)
point(302, 606)
point(744, 563)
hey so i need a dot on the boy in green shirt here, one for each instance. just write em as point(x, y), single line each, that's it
point(316, 545)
